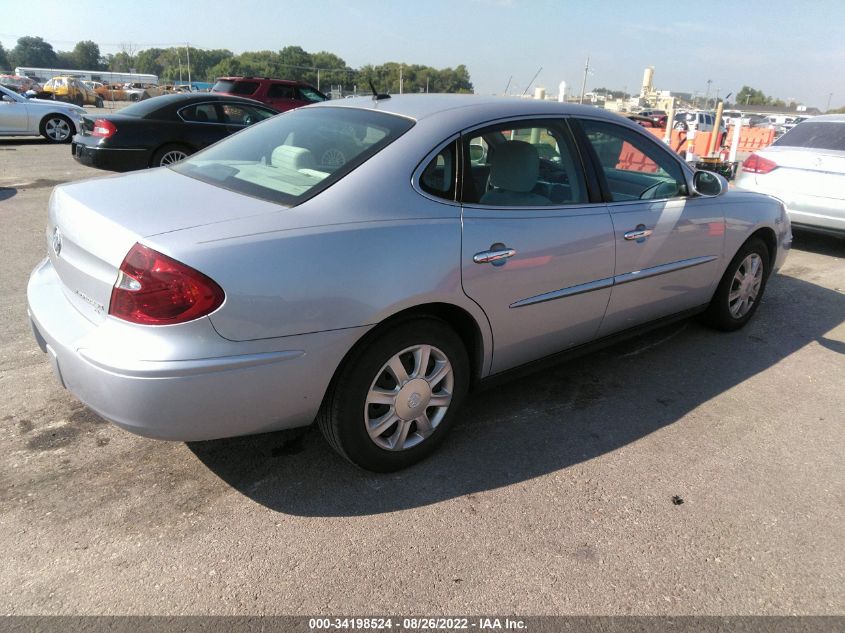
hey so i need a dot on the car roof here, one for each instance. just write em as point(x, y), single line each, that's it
point(826, 118)
point(289, 82)
point(188, 97)
point(474, 108)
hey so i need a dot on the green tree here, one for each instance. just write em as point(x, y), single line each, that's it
point(4, 60)
point(86, 55)
point(120, 62)
point(33, 51)
point(65, 61)
point(147, 61)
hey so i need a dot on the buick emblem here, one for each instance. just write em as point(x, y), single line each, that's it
point(56, 241)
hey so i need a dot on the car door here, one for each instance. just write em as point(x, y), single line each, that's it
point(668, 243)
point(14, 114)
point(537, 248)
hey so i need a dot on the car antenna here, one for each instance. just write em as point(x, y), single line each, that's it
point(376, 95)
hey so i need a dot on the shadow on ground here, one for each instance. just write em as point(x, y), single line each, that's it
point(542, 423)
point(823, 244)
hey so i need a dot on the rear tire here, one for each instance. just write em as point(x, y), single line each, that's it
point(99, 102)
point(741, 288)
point(170, 154)
point(394, 400)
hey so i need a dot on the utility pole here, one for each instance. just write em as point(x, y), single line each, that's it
point(188, 47)
point(829, 96)
point(584, 83)
point(707, 94)
point(318, 79)
point(401, 80)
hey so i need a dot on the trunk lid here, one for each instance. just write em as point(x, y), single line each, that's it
point(806, 171)
point(93, 224)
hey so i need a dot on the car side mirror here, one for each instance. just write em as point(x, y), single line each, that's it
point(709, 184)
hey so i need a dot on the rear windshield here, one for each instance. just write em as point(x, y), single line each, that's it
point(145, 107)
point(292, 157)
point(815, 135)
point(235, 87)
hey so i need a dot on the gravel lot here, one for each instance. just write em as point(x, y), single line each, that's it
point(553, 496)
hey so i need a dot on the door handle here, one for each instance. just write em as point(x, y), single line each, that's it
point(494, 257)
point(639, 233)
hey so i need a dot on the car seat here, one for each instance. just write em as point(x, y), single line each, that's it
point(514, 168)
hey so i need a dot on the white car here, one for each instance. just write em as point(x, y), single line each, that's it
point(55, 121)
point(805, 168)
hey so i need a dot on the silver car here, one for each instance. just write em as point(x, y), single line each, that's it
point(805, 168)
point(55, 121)
point(366, 262)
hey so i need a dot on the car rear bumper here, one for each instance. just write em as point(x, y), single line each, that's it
point(277, 386)
point(110, 158)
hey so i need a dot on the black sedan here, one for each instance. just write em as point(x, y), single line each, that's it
point(163, 130)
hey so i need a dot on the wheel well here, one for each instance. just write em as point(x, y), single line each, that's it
point(770, 240)
point(457, 318)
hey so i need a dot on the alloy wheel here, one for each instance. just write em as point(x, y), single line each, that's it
point(57, 129)
point(171, 157)
point(409, 397)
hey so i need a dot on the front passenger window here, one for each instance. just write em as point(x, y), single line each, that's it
point(634, 167)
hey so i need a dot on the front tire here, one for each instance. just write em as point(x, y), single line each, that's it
point(57, 128)
point(392, 403)
point(99, 102)
point(741, 288)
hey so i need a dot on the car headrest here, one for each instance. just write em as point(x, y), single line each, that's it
point(292, 157)
point(515, 166)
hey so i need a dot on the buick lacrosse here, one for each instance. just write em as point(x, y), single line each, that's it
point(365, 263)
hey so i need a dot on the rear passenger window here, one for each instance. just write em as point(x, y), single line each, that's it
point(200, 113)
point(522, 164)
point(439, 176)
point(634, 167)
point(281, 91)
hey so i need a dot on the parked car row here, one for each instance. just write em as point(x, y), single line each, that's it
point(353, 262)
point(73, 90)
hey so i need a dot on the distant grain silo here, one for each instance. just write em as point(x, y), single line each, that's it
point(648, 78)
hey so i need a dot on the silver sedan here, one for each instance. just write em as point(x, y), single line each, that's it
point(805, 168)
point(365, 263)
point(55, 121)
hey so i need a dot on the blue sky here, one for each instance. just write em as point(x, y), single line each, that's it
point(790, 50)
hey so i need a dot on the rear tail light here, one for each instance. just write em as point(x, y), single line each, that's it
point(103, 128)
point(153, 289)
point(756, 164)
